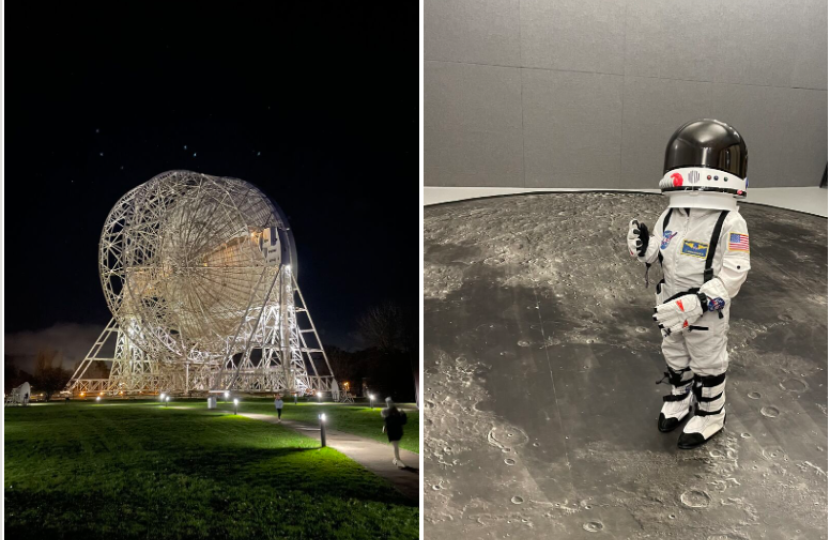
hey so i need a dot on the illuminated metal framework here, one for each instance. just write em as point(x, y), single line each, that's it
point(200, 275)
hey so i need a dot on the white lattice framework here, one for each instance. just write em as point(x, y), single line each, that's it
point(199, 273)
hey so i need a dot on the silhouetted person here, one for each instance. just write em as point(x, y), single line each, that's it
point(393, 422)
point(278, 404)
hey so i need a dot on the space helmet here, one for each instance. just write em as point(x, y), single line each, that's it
point(705, 166)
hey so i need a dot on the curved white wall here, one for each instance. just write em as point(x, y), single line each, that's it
point(585, 93)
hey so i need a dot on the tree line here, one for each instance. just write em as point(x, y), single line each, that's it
point(387, 365)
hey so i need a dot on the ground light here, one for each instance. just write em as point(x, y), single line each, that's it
point(323, 430)
point(372, 401)
point(235, 406)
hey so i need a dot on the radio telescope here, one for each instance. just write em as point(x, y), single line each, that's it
point(200, 274)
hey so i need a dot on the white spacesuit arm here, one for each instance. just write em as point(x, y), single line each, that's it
point(725, 286)
point(651, 251)
point(654, 241)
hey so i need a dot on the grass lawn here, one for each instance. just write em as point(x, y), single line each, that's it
point(358, 420)
point(138, 470)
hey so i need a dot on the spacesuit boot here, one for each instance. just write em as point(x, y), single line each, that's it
point(678, 403)
point(710, 416)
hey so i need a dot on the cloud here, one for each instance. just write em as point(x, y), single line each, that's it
point(72, 341)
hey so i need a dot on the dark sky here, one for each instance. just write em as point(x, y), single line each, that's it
point(318, 107)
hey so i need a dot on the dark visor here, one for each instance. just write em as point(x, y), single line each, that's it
point(707, 143)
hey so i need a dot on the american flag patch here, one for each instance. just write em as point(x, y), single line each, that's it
point(738, 242)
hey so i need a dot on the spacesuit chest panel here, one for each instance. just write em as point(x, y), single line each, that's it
point(685, 246)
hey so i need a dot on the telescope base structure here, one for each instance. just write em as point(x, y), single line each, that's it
point(292, 360)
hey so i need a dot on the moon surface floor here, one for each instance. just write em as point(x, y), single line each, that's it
point(540, 365)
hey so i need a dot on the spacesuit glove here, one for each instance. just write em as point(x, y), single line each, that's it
point(637, 238)
point(677, 314)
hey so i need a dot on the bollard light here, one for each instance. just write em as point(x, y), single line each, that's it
point(166, 401)
point(323, 430)
point(319, 396)
point(372, 401)
point(235, 405)
point(162, 396)
point(227, 395)
point(98, 398)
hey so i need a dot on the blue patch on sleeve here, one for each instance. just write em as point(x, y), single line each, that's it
point(716, 304)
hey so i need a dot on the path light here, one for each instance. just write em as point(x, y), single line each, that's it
point(162, 396)
point(98, 398)
point(319, 396)
point(323, 430)
point(227, 395)
point(235, 405)
point(166, 401)
point(372, 401)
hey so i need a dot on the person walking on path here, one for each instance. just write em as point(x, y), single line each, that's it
point(393, 422)
point(278, 404)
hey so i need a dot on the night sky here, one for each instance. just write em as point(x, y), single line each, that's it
point(317, 107)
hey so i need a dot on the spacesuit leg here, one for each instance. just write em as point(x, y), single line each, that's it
point(677, 404)
point(706, 342)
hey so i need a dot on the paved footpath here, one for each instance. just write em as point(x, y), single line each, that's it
point(375, 456)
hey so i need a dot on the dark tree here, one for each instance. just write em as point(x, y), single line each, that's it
point(382, 327)
point(392, 336)
point(49, 378)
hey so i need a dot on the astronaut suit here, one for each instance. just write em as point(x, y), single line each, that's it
point(702, 244)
